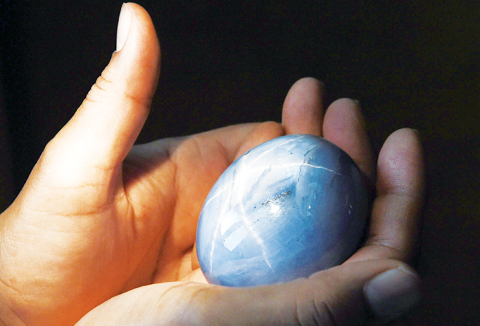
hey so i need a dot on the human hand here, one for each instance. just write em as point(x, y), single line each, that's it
point(98, 218)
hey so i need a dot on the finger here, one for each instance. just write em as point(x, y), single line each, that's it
point(344, 295)
point(106, 125)
point(396, 215)
point(303, 108)
point(344, 126)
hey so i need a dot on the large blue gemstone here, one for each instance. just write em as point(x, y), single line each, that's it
point(290, 207)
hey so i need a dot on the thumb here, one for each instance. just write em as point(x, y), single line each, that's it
point(356, 293)
point(106, 125)
point(350, 294)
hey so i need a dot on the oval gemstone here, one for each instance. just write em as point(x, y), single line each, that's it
point(292, 206)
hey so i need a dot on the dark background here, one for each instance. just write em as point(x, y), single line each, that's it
point(223, 62)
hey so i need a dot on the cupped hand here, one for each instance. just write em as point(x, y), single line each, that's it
point(102, 221)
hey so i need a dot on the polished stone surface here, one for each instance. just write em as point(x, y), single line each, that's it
point(286, 209)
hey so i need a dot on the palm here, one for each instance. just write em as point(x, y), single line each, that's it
point(165, 184)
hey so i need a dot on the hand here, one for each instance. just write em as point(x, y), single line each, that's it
point(98, 218)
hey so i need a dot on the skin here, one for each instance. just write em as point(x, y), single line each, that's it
point(103, 222)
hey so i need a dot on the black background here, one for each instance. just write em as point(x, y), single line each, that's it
point(225, 62)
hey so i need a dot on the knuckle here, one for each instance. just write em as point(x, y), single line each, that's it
point(315, 314)
point(101, 89)
point(312, 305)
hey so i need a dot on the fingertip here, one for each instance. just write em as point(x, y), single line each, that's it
point(392, 293)
point(405, 134)
point(342, 114)
point(138, 51)
point(401, 163)
point(311, 82)
point(303, 107)
point(344, 125)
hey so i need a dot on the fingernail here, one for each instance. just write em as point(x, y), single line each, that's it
point(393, 293)
point(123, 27)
